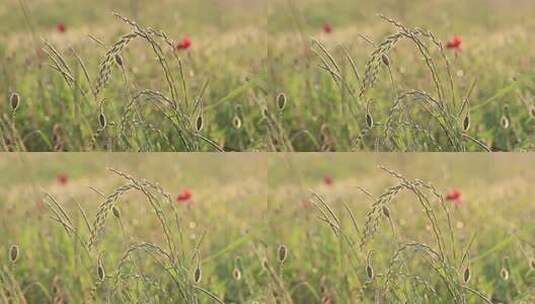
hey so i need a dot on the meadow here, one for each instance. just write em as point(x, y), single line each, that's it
point(279, 75)
point(278, 228)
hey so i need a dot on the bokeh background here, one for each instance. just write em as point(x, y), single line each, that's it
point(242, 207)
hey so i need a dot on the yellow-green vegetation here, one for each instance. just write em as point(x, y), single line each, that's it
point(355, 75)
point(274, 229)
point(88, 234)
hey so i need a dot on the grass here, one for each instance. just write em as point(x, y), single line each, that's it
point(269, 231)
point(374, 84)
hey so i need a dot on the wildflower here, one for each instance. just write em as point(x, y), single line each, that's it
point(455, 43)
point(454, 196)
point(62, 179)
point(328, 180)
point(184, 44)
point(61, 28)
point(184, 196)
point(327, 28)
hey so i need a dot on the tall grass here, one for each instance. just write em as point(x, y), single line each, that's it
point(394, 87)
point(405, 244)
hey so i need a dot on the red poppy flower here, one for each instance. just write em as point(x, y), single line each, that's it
point(184, 196)
point(62, 179)
point(455, 43)
point(61, 28)
point(327, 28)
point(454, 196)
point(328, 180)
point(184, 44)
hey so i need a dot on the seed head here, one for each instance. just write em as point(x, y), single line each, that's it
point(199, 124)
point(504, 274)
point(370, 272)
point(102, 120)
point(14, 253)
point(197, 275)
point(281, 101)
point(369, 120)
point(14, 101)
point(236, 122)
point(369, 268)
point(504, 122)
point(386, 211)
point(100, 271)
point(385, 60)
point(236, 274)
point(116, 212)
point(282, 253)
point(466, 123)
point(467, 275)
point(119, 60)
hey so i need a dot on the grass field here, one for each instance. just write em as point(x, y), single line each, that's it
point(278, 228)
point(279, 75)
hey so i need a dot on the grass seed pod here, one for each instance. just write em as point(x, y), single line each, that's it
point(282, 253)
point(116, 212)
point(466, 123)
point(236, 122)
point(100, 271)
point(467, 275)
point(386, 60)
point(386, 211)
point(14, 253)
point(369, 120)
point(119, 60)
point(14, 101)
point(504, 122)
point(199, 123)
point(281, 101)
point(504, 274)
point(369, 268)
point(102, 120)
point(369, 272)
point(197, 275)
point(236, 274)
